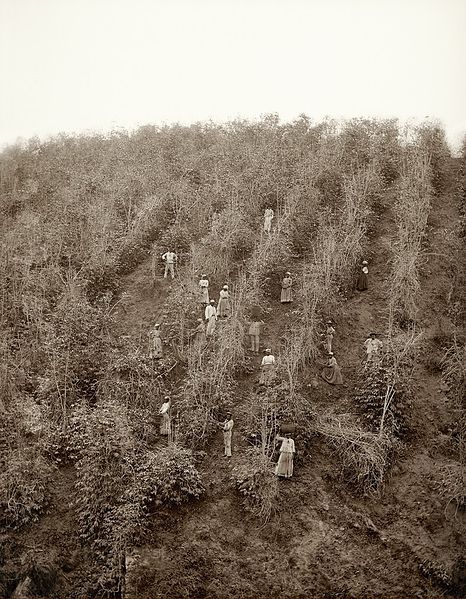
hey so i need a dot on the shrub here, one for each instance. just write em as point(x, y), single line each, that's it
point(255, 480)
point(170, 476)
point(24, 479)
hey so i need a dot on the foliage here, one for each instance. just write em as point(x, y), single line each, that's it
point(364, 456)
point(24, 486)
point(255, 480)
point(169, 476)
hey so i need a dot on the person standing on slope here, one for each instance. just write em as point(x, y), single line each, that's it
point(211, 317)
point(223, 306)
point(329, 333)
point(227, 434)
point(204, 286)
point(169, 258)
point(373, 348)
point(286, 297)
point(331, 372)
point(155, 351)
point(254, 334)
point(199, 334)
point(284, 466)
point(362, 279)
point(165, 412)
point(268, 216)
point(267, 368)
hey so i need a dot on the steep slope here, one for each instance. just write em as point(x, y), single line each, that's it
point(324, 539)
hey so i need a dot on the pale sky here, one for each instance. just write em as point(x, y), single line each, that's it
point(81, 65)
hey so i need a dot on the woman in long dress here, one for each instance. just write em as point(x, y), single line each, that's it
point(284, 465)
point(199, 334)
point(331, 372)
point(268, 216)
point(362, 279)
point(267, 368)
point(155, 351)
point(165, 412)
point(329, 333)
point(287, 282)
point(204, 287)
point(223, 306)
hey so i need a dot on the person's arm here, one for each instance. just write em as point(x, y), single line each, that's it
point(164, 256)
point(292, 446)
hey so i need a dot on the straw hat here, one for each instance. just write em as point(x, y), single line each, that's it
point(268, 351)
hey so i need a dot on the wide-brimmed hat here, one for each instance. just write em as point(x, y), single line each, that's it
point(364, 262)
point(203, 276)
point(156, 325)
point(268, 350)
point(212, 301)
point(225, 286)
point(288, 272)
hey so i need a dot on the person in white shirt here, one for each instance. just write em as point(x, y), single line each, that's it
point(373, 347)
point(227, 434)
point(204, 286)
point(268, 216)
point(165, 412)
point(211, 317)
point(169, 258)
point(285, 461)
point(267, 368)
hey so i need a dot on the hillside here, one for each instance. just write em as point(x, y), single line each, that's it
point(107, 507)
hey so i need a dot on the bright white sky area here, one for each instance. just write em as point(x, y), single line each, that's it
point(81, 65)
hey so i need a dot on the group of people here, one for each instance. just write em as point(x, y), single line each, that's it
point(206, 327)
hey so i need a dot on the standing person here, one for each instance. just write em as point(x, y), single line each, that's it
point(286, 297)
point(155, 350)
point(204, 286)
point(254, 334)
point(199, 334)
point(284, 465)
point(223, 306)
point(329, 333)
point(362, 279)
point(373, 347)
point(267, 368)
point(211, 317)
point(169, 258)
point(268, 216)
point(331, 372)
point(165, 412)
point(227, 434)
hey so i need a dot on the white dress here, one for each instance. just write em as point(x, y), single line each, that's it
point(285, 461)
point(204, 285)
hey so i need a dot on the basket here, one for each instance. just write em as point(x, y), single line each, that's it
point(287, 427)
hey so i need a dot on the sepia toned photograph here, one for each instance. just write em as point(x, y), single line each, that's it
point(232, 299)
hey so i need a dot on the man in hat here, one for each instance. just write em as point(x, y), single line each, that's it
point(373, 348)
point(169, 258)
point(211, 317)
point(227, 434)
